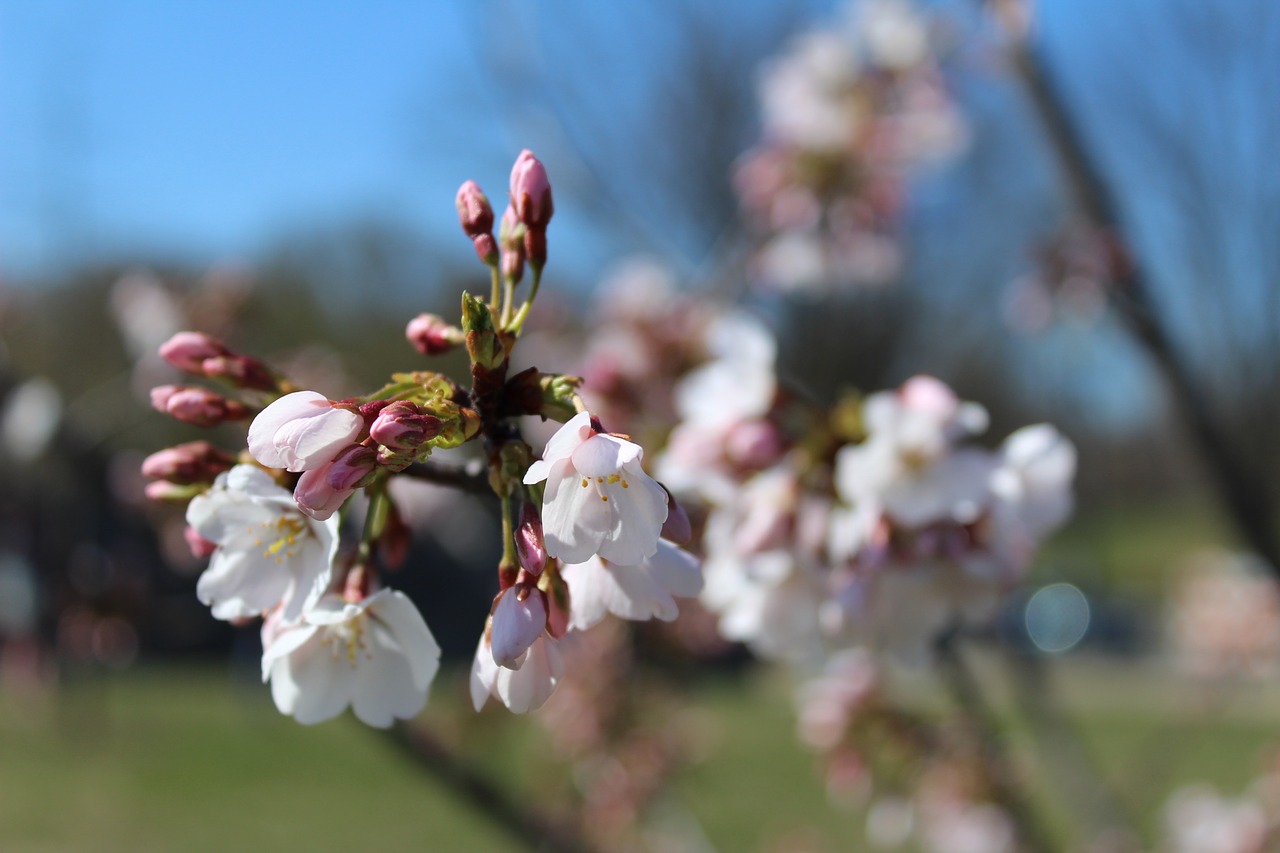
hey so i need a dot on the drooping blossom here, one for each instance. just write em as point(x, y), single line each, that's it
point(598, 498)
point(523, 688)
point(377, 656)
point(301, 431)
point(267, 552)
point(644, 591)
point(519, 618)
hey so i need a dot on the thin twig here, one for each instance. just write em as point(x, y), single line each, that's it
point(470, 477)
point(481, 793)
point(1005, 785)
point(1242, 490)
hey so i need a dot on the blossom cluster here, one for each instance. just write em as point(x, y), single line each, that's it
point(850, 114)
point(586, 530)
point(889, 528)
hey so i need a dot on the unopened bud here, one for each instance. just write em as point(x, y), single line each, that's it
point(519, 618)
point(431, 335)
point(535, 248)
point(676, 528)
point(474, 211)
point(531, 191)
point(187, 351)
point(511, 237)
point(196, 406)
point(200, 547)
point(483, 345)
point(557, 592)
point(241, 371)
point(531, 548)
point(193, 462)
point(358, 583)
point(352, 469)
point(558, 393)
point(403, 427)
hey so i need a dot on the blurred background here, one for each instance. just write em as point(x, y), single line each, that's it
point(284, 177)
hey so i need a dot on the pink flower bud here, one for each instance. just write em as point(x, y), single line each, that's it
point(676, 528)
point(196, 406)
point(351, 469)
point(242, 371)
point(188, 350)
point(431, 335)
point(403, 427)
point(531, 191)
point(486, 248)
point(302, 431)
point(200, 547)
point(316, 497)
point(511, 237)
point(185, 464)
point(535, 248)
point(530, 546)
point(518, 620)
point(474, 211)
point(754, 444)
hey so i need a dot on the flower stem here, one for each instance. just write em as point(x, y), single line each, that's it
point(518, 322)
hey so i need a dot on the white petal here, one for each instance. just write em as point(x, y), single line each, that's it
point(384, 681)
point(575, 431)
point(262, 431)
point(530, 687)
point(484, 674)
point(587, 597)
point(602, 455)
point(574, 519)
point(395, 610)
point(286, 642)
point(676, 569)
point(639, 512)
point(637, 595)
point(309, 442)
point(537, 472)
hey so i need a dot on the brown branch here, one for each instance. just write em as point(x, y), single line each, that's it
point(470, 477)
point(481, 793)
point(1005, 784)
point(1241, 489)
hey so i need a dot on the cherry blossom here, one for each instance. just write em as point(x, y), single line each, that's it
point(524, 688)
point(640, 592)
point(598, 498)
point(268, 553)
point(301, 431)
point(376, 655)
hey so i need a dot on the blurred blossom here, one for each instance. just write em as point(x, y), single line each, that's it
point(30, 419)
point(850, 114)
point(1199, 820)
point(1225, 617)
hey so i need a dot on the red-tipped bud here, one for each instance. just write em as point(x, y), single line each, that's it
point(241, 371)
point(535, 248)
point(403, 427)
point(358, 583)
point(486, 248)
point(474, 211)
point(200, 547)
point(196, 406)
point(530, 546)
point(531, 192)
point(557, 604)
point(431, 335)
point(193, 462)
point(187, 351)
point(676, 528)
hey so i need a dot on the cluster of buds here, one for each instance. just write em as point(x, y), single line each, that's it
point(850, 113)
point(583, 527)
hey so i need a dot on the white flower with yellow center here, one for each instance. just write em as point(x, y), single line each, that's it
point(598, 498)
point(268, 553)
point(376, 655)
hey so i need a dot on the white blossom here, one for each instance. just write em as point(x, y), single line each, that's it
point(524, 688)
point(268, 552)
point(376, 655)
point(643, 591)
point(598, 498)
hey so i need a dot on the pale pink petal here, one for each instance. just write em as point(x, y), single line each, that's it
point(635, 594)
point(308, 442)
point(575, 431)
point(537, 472)
point(529, 688)
point(676, 569)
point(602, 455)
point(484, 674)
point(639, 512)
point(516, 624)
point(262, 432)
point(395, 610)
point(586, 592)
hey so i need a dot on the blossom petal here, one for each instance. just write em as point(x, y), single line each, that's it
point(602, 455)
point(587, 597)
point(385, 688)
point(516, 624)
point(531, 686)
point(637, 521)
point(397, 611)
point(574, 518)
point(262, 432)
point(574, 432)
point(484, 674)
point(676, 569)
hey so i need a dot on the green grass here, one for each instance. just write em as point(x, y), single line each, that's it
point(188, 759)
